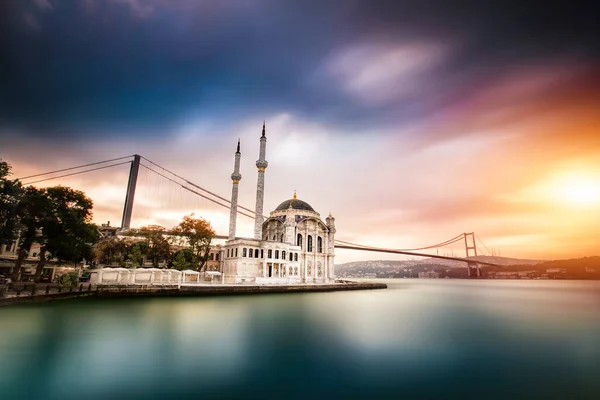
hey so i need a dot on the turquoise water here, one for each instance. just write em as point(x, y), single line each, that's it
point(417, 339)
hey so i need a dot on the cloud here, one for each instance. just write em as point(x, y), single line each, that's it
point(410, 126)
point(44, 5)
point(139, 8)
point(89, 6)
point(31, 21)
point(378, 73)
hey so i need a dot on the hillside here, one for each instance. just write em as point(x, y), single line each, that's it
point(581, 268)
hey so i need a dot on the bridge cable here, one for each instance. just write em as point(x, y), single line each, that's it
point(449, 241)
point(195, 192)
point(340, 243)
point(483, 244)
point(77, 173)
point(196, 186)
point(68, 169)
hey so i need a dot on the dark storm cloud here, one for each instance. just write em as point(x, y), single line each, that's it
point(110, 66)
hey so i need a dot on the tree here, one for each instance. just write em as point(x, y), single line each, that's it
point(184, 259)
point(29, 210)
point(111, 249)
point(197, 234)
point(136, 256)
point(10, 194)
point(157, 245)
point(66, 232)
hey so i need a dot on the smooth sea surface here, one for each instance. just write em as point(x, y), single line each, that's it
point(419, 339)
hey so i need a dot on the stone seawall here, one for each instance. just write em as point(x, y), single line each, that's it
point(193, 290)
point(44, 298)
point(210, 290)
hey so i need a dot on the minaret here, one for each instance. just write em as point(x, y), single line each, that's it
point(330, 221)
point(261, 164)
point(236, 178)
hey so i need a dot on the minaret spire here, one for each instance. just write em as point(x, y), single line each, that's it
point(236, 177)
point(261, 164)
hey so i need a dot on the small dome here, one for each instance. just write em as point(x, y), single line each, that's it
point(295, 204)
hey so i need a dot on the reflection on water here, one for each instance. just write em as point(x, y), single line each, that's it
point(418, 339)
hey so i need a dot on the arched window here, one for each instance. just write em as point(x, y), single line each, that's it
point(283, 254)
point(299, 240)
point(274, 237)
point(270, 253)
point(319, 244)
point(276, 254)
point(295, 256)
point(227, 253)
point(309, 243)
point(262, 253)
point(250, 253)
point(291, 256)
point(217, 257)
point(282, 236)
point(244, 252)
point(236, 252)
point(256, 253)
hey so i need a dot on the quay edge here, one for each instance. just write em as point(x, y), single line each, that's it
point(192, 290)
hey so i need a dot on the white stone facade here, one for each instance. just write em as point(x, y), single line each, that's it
point(295, 249)
point(293, 245)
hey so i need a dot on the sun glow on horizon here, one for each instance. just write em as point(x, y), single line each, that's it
point(569, 187)
point(581, 191)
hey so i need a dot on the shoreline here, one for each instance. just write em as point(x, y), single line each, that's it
point(191, 290)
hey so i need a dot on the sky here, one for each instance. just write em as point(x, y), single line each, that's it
point(410, 121)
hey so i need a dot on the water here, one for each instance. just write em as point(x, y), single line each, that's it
point(417, 339)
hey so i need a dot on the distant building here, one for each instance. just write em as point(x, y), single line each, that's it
point(108, 231)
point(556, 270)
point(429, 274)
point(513, 274)
point(214, 258)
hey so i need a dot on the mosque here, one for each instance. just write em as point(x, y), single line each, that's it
point(292, 245)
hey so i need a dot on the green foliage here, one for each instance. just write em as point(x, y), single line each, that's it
point(10, 195)
point(197, 234)
point(30, 213)
point(111, 250)
point(58, 218)
point(184, 259)
point(136, 256)
point(156, 247)
point(65, 229)
point(68, 280)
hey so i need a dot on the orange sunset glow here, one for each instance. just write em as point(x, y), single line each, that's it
point(408, 136)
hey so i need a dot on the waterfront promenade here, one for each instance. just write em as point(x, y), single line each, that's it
point(45, 293)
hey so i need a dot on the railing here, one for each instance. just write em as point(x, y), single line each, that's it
point(26, 289)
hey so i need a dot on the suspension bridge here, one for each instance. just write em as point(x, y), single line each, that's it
point(150, 181)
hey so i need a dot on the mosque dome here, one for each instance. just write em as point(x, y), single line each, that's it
point(296, 204)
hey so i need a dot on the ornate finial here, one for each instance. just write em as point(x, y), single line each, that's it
point(295, 197)
point(263, 132)
point(238, 147)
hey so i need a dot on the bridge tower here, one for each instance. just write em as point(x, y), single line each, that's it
point(128, 209)
point(471, 250)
